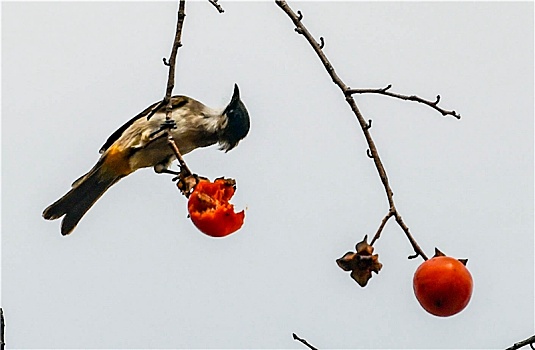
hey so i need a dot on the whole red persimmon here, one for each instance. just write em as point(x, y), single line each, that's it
point(210, 210)
point(443, 285)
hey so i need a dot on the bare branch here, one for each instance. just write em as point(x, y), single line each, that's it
point(171, 84)
point(384, 91)
point(2, 328)
point(172, 59)
point(530, 341)
point(411, 239)
point(307, 344)
point(372, 151)
point(216, 5)
point(382, 226)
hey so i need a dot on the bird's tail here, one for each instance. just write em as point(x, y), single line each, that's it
point(84, 193)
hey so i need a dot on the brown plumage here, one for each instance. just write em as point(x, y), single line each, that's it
point(137, 144)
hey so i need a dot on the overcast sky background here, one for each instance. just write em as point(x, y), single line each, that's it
point(137, 274)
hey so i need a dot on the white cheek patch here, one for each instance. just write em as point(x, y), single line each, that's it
point(209, 120)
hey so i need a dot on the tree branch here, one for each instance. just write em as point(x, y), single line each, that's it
point(177, 43)
point(382, 226)
point(172, 59)
point(530, 341)
point(2, 328)
point(384, 91)
point(304, 342)
point(372, 151)
point(216, 5)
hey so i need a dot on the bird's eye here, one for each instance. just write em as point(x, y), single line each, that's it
point(231, 110)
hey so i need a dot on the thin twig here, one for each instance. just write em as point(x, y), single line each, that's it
point(171, 84)
point(304, 342)
point(184, 170)
point(382, 226)
point(216, 5)
point(2, 328)
point(411, 239)
point(172, 59)
point(372, 152)
point(384, 91)
point(530, 341)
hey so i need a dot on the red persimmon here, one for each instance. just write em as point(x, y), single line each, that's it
point(443, 286)
point(210, 210)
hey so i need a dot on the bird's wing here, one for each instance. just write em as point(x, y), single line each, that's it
point(176, 101)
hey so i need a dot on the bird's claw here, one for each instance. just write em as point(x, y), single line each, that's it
point(168, 124)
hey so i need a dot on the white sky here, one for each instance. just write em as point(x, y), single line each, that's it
point(137, 274)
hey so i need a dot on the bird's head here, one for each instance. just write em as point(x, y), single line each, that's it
point(238, 122)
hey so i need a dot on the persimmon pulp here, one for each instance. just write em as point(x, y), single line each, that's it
point(443, 286)
point(210, 210)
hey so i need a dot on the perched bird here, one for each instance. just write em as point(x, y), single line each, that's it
point(141, 142)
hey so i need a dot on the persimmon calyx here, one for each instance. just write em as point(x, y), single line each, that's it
point(439, 253)
point(361, 263)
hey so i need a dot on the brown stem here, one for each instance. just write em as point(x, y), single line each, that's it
point(387, 217)
point(304, 342)
point(411, 239)
point(172, 59)
point(2, 328)
point(530, 341)
point(216, 5)
point(317, 47)
point(177, 43)
point(184, 170)
point(384, 91)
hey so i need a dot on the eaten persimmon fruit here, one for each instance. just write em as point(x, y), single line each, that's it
point(443, 286)
point(210, 210)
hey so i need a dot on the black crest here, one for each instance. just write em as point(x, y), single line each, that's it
point(238, 122)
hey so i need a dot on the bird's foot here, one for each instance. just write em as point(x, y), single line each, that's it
point(167, 171)
point(168, 124)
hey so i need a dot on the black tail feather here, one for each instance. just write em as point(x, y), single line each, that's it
point(75, 203)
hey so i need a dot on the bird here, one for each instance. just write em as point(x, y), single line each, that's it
point(142, 142)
